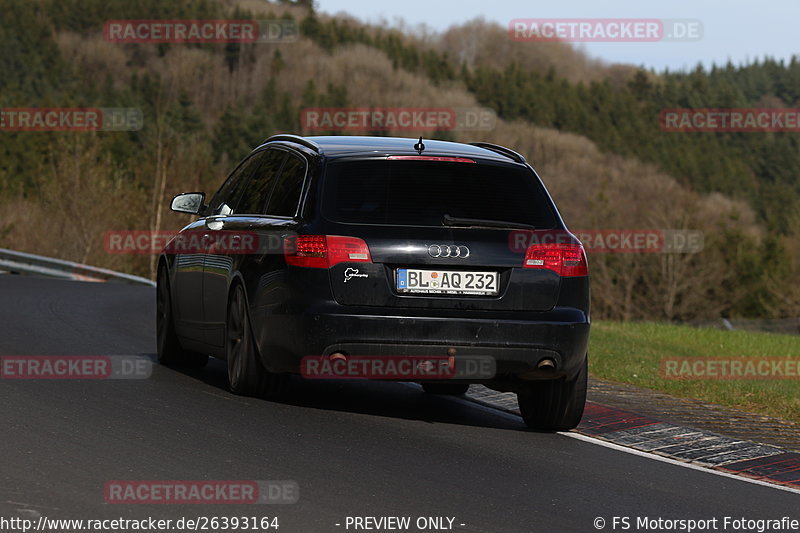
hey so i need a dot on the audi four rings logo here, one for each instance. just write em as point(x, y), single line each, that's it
point(448, 250)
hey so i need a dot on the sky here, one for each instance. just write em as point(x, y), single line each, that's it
point(736, 30)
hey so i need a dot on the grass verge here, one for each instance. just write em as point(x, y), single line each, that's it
point(633, 353)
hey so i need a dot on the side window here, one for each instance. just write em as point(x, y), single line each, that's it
point(288, 188)
point(224, 202)
point(257, 190)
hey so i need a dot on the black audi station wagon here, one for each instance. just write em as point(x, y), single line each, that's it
point(339, 248)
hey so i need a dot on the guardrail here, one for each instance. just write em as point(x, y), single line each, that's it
point(24, 263)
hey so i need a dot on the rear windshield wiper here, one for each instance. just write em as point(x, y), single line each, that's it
point(447, 220)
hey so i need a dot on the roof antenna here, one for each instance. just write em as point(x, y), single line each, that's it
point(419, 147)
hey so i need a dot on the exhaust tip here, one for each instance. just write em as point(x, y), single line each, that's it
point(547, 365)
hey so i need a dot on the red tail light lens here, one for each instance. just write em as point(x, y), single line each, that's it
point(306, 251)
point(347, 250)
point(563, 259)
point(324, 251)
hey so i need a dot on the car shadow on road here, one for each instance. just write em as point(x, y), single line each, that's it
point(373, 398)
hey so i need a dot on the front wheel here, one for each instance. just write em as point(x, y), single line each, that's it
point(555, 405)
point(246, 375)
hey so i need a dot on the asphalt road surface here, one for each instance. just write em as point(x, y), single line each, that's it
point(354, 448)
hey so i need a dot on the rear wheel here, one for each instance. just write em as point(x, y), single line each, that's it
point(170, 352)
point(453, 389)
point(246, 375)
point(555, 405)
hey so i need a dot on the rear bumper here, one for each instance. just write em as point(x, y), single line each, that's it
point(516, 341)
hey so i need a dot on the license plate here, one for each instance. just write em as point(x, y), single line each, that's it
point(446, 282)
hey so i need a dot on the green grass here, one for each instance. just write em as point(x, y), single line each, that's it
point(633, 353)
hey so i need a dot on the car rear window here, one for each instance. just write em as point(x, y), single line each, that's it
point(420, 193)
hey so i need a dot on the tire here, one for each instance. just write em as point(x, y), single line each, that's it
point(453, 389)
point(246, 375)
point(555, 405)
point(170, 352)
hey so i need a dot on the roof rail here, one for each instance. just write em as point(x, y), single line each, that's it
point(501, 150)
point(295, 139)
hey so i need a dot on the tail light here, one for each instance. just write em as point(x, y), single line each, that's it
point(563, 259)
point(324, 251)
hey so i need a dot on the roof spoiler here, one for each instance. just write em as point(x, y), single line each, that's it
point(511, 154)
point(295, 139)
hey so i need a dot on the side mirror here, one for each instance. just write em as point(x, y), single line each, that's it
point(189, 202)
